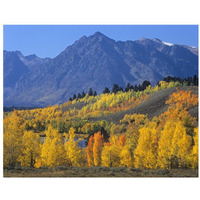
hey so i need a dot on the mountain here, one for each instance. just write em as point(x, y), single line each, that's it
point(95, 61)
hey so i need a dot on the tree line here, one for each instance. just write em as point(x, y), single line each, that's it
point(189, 81)
point(83, 94)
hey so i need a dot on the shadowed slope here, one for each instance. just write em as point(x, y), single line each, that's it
point(153, 106)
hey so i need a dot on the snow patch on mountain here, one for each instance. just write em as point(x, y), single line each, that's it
point(167, 43)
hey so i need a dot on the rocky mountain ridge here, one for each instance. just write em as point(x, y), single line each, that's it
point(95, 61)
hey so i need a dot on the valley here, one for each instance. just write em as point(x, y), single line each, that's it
point(107, 135)
point(102, 108)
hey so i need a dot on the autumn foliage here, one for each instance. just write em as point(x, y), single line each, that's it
point(94, 149)
point(48, 137)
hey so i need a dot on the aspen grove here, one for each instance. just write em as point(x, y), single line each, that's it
point(49, 137)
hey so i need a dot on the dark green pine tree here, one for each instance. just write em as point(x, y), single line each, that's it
point(79, 96)
point(127, 87)
point(115, 88)
point(121, 89)
point(145, 84)
point(83, 94)
point(136, 88)
point(195, 80)
point(90, 93)
point(106, 90)
point(95, 93)
point(74, 97)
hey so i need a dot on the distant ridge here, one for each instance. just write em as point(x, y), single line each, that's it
point(92, 62)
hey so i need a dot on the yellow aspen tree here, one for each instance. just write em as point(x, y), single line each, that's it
point(12, 139)
point(194, 153)
point(125, 157)
point(145, 154)
point(97, 148)
point(53, 149)
point(38, 161)
point(31, 149)
point(181, 145)
point(73, 152)
point(125, 154)
point(106, 155)
point(132, 136)
point(135, 122)
point(89, 149)
point(165, 144)
point(111, 153)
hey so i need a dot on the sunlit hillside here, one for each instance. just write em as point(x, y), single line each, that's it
point(151, 129)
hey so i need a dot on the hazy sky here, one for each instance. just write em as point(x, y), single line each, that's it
point(50, 40)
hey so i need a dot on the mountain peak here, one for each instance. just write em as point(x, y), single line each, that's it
point(31, 57)
point(19, 53)
point(99, 34)
point(156, 40)
point(143, 38)
point(101, 37)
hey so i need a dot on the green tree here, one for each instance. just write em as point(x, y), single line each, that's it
point(106, 90)
point(90, 93)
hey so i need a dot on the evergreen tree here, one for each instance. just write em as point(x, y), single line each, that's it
point(136, 88)
point(95, 93)
point(145, 84)
point(115, 88)
point(131, 87)
point(90, 93)
point(83, 94)
point(74, 97)
point(79, 96)
point(106, 90)
point(70, 99)
point(127, 87)
point(105, 134)
point(195, 80)
point(121, 89)
point(189, 81)
point(139, 87)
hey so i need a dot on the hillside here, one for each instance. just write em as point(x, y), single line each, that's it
point(107, 108)
point(152, 132)
point(153, 106)
point(92, 62)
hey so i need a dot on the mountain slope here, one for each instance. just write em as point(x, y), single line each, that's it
point(153, 106)
point(95, 61)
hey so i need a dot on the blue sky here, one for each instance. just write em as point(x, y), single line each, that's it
point(50, 40)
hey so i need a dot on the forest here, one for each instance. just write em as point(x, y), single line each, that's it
point(68, 135)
